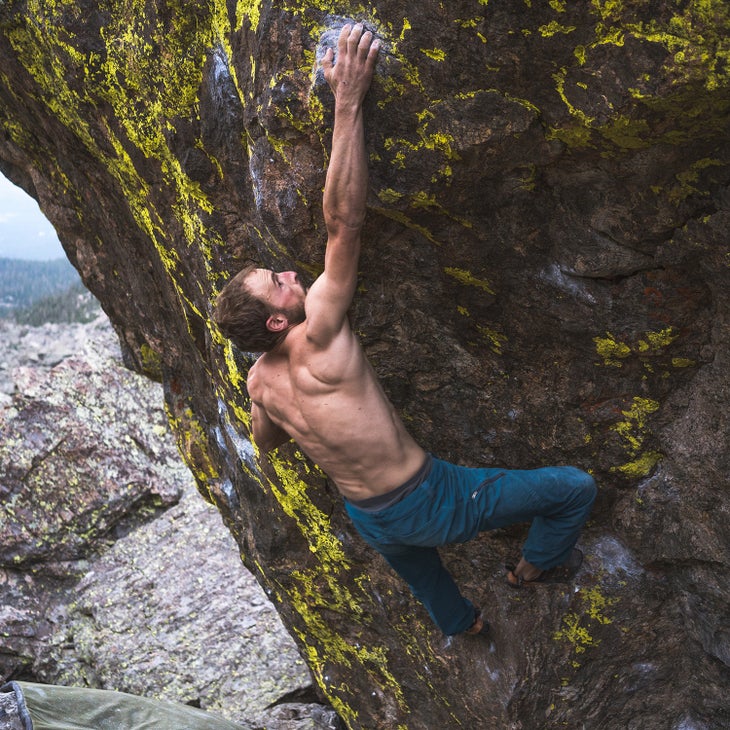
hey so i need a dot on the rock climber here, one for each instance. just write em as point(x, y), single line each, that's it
point(313, 384)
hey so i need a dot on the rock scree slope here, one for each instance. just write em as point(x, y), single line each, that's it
point(543, 280)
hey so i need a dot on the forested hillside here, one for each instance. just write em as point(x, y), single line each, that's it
point(34, 292)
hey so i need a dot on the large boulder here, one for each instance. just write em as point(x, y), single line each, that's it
point(543, 281)
point(115, 572)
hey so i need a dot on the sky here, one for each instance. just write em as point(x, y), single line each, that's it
point(25, 232)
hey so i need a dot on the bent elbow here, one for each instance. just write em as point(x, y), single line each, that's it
point(266, 446)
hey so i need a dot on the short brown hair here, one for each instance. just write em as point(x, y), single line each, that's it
point(241, 317)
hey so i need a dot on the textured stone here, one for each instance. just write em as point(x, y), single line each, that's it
point(164, 614)
point(543, 280)
point(81, 449)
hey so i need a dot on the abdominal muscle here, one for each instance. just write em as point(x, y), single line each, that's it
point(365, 451)
point(345, 424)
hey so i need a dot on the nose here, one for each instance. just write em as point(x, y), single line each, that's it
point(291, 277)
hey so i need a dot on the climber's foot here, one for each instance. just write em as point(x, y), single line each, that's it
point(480, 627)
point(526, 575)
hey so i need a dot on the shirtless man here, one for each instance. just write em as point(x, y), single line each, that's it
point(313, 384)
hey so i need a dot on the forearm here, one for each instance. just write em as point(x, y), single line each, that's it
point(345, 190)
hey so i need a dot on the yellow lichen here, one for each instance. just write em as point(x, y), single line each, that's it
point(388, 195)
point(641, 466)
point(326, 588)
point(495, 339)
point(633, 431)
point(611, 350)
point(250, 9)
point(663, 338)
point(553, 27)
point(578, 626)
point(436, 54)
point(466, 277)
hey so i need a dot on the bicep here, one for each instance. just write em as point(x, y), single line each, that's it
point(330, 297)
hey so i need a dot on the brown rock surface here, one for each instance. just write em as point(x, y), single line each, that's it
point(544, 280)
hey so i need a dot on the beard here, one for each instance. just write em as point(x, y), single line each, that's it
point(295, 315)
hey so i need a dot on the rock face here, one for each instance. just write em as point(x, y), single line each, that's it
point(544, 281)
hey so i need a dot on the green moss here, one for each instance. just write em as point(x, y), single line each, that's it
point(573, 136)
point(529, 180)
point(626, 133)
point(686, 180)
point(151, 362)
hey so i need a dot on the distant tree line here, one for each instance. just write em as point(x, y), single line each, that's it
point(36, 292)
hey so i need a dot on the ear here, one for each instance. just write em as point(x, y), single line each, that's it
point(277, 322)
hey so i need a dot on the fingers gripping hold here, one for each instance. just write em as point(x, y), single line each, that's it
point(355, 42)
point(349, 36)
point(368, 46)
point(353, 63)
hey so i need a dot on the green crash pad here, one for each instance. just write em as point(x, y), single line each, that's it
point(50, 707)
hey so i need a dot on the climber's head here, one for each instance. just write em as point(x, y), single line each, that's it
point(258, 307)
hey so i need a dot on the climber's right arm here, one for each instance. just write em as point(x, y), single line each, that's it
point(346, 185)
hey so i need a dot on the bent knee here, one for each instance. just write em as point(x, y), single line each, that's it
point(584, 485)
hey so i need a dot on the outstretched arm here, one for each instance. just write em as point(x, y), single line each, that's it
point(345, 187)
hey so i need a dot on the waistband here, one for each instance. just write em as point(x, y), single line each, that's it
point(382, 501)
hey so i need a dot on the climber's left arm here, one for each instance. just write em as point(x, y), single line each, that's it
point(266, 433)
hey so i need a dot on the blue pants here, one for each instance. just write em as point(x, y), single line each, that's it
point(456, 503)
